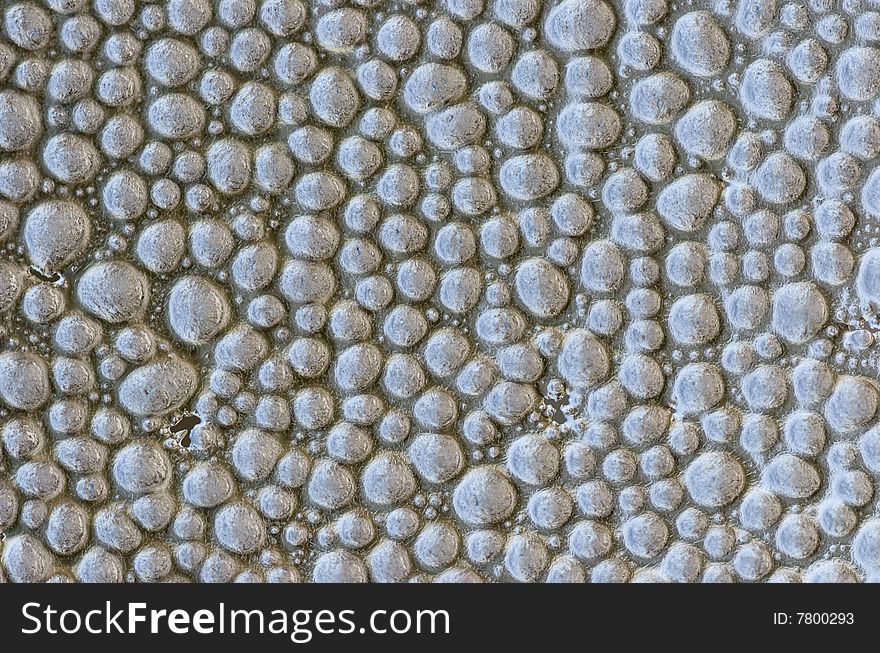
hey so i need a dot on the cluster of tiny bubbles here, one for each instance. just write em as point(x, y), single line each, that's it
point(465, 291)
